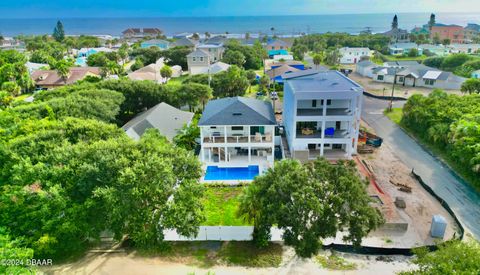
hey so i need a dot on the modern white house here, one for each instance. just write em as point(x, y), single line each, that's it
point(215, 50)
point(321, 114)
point(237, 131)
point(353, 55)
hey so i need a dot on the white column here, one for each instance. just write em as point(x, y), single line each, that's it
point(225, 133)
point(226, 154)
point(201, 144)
point(249, 153)
point(248, 134)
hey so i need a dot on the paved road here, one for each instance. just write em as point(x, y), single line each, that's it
point(462, 198)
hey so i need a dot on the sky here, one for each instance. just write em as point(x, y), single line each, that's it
point(198, 8)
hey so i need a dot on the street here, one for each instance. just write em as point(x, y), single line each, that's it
point(462, 198)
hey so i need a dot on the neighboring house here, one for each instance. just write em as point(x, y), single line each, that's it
point(476, 74)
point(365, 67)
point(238, 131)
point(182, 35)
point(48, 79)
point(141, 32)
point(403, 48)
point(277, 47)
point(282, 57)
point(185, 42)
point(420, 31)
point(247, 42)
point(198, 61)
point(275, 74)
point(167, 119)
point(271, 64)
point(150, 72)
point(321, 114)
point(161, 44)
point(32, 67)
point(218, 67)
point(216, 40)
point(215, 50)
point(464, 48)
point(439, 50)
point(353, 55)
point(454, 33)
point(418, 76)
point(397, 35)
point(400, 64)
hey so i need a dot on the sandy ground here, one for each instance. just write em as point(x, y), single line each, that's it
point(420, 205)
point(122, 263)
point(401, 91)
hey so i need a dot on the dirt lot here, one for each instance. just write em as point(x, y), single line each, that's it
point(420, 205)
point(381, 89)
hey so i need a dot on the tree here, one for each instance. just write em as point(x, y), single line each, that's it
point(318, 58)
point(395, 22)
point(431, 22)
point(452, 257)
point(157, 191)
point(413, 52)
point(230, 83)
point(187, 135)
point(234, 58)
point(97, 60)
point(13, 250)
point(264, 82)
point(332, 57)
point(436, 39)
point(252, 78)
point(434, 61)
point(195, 36)
point(446, 42)
point(207, 35)
point(5, 99)
point(11, 87)
point(194, 94)
point(176, 56)
point(62, 68)
point(166, 72)
point(299, 51)
point(59, 32)
point(138, 64)
point(111, 68)
point(309, 202)
point(471, 86)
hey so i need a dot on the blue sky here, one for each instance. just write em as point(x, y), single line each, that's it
point(152, 8)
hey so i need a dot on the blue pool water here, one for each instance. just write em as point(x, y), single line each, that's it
point(231, 173)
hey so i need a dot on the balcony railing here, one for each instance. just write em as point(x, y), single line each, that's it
point(318, 134)
point(319, 112)
point(267, 138)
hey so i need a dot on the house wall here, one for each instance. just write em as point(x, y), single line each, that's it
point(454, 33)
point(352, 56)
point(386, 78)
point(365, 71)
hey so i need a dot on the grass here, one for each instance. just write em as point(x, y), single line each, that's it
point(395, 115)
point(403, 58)
point(334, 262)
point(21, 97)
point(220, 206)
point(208, 254)
point(441, 153)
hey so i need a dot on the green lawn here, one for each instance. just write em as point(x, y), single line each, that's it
point(404, 58)
point(463, 172)
point(395, 115)
point(21, 97)
point(221, 204)
point(209, 254)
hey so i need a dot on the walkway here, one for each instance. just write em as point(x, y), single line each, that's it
point(462, 198)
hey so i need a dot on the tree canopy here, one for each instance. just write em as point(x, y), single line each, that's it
point(309, 202)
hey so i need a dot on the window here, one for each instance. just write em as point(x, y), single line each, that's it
point(201, 59)
point(380, 77)
point(213, 127)
point(194, 59)
point(429, 82)
point(329, 102)
point(237, 128)
point(400, 79)
point(314, 103)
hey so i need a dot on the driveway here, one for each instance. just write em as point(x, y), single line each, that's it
point(462, 198)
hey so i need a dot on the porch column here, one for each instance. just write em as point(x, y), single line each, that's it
point(226, 154)
point(209, 154)
point(248, 134)
point(321, 148)
point(324, 107)
point(201, 145)
point(249, 153)
point(225, 133)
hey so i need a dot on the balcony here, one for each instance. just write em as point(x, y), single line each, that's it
point(319, 112)
point(309, 133)
point(259, 138)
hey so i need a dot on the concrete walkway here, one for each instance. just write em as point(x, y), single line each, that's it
point(463, 199)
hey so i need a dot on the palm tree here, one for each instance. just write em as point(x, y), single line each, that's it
point(273, 31)
point(318, 58)
point(166, 72)
point(63, 70)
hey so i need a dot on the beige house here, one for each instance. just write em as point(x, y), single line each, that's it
point(49, 79)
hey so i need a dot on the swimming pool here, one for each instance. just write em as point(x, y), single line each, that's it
point(231, 173)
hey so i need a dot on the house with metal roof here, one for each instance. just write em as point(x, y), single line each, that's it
point(365, 67)
point(404, 48)
point(238, 131)
point(354, 55)
point(167, 119)
point(185, 42)
point(321, 114)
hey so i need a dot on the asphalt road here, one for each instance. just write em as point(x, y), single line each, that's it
point(463, 199)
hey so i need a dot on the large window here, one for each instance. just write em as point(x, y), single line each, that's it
point(237, 128)
point(380, 77)
point(314, 103)
point(429, 82)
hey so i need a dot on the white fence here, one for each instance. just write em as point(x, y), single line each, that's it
point(222, 233)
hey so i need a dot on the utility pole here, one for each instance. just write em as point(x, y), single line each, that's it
point(390, 107)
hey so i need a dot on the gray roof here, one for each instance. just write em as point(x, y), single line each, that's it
point(278, 42)
point(216, 40)
point(238, 111)
point(198, 53)
point(184, 42)
point(167, 119)
point(322, 81)
point(365, 63)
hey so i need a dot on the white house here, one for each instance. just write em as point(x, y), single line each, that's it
point(321, 114)
point(202, 62)
point(403, 48)
point(237, 131)
point(215, 50)
point(464, 48)
point(353, 55)
point(365, 67)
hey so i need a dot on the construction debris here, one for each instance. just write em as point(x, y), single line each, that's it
point(404, 187)
point(400, 203)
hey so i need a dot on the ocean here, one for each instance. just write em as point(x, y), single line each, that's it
point(284, 25)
